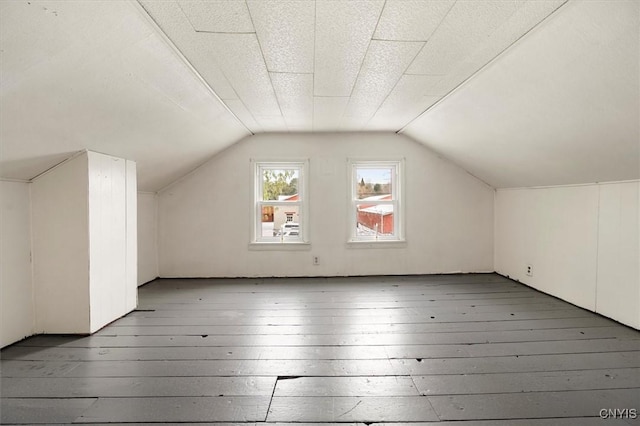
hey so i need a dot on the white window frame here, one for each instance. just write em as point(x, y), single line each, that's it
point(397, 187)
point(258, 241)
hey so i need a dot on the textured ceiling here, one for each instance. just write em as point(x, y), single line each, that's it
point(560, 107)
point(518, 92)
point(96, 75)
point(330, 65)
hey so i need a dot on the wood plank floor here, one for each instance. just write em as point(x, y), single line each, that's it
point(466, 350)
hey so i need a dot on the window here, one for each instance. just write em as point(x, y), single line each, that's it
point(375, 201)
point(280, 210)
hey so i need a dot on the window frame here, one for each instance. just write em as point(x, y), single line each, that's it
point(397, 199)
point(257, 239)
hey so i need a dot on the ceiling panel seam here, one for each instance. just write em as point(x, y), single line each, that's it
point(266, 67)
point(403, 41)
point(223, 32)
point(185, 16)
point(214, 32)
point(430, 35)
point(364, 58)
point(397, 81)
point(250, 113)
point(366, 52)
point(478, 71)
point(290, 72)
point(408, 66)
point(538, 115)
point(238, 97)
point(164, 37)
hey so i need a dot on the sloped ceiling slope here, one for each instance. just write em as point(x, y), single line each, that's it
point(518, 92)
point(561, 106)
point(96, 75)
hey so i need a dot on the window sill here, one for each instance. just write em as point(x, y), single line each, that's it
point(377, 244)
point(278, 246)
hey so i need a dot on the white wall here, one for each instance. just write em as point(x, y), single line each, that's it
point(205, 219)
point(112, 224)
point(17, 318)
point(582, 242)
point(618, 279)
point(60, 219)
point(147, 237)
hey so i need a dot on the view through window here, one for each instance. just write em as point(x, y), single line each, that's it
point(375, 201)
point(279, 202)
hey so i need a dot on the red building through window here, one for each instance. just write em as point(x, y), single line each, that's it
point(376, 217)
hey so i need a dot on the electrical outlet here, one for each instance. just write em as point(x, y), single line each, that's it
point(530, 270)
point(316, 260)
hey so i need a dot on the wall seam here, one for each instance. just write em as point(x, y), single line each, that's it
point(595, 302)
point(156, 205)
point(34, 317)
point(156, 202)
point(87, 171)
point(495, 229)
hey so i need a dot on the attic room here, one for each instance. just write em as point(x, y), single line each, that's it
point(320, 211)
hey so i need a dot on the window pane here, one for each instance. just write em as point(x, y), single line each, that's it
point(280, 221)
point(280, 184)
point(374, 219)
point(373, 182)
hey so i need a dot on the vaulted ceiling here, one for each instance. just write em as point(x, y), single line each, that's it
point(519, 93)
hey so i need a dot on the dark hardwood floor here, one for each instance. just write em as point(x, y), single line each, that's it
point(464, 350)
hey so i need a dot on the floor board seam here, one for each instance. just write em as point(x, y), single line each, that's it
point(361, 348)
